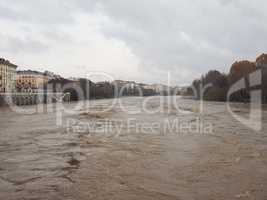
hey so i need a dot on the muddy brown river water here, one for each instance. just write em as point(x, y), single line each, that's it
point(139, 148)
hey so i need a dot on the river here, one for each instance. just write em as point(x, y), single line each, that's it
point(132, 148)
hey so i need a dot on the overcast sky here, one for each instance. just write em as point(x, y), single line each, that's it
point(140, 40)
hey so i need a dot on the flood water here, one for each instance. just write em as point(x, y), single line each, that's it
point(138, 148)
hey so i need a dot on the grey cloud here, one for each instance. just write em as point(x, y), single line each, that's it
point(17, 45)
point(165, 34)
point(43, 12)
point(8, 13)
point(219, 30)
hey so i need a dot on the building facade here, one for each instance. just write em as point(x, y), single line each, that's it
point(31, 81)
point(7, 76)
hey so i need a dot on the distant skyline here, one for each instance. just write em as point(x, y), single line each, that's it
point(140, 40)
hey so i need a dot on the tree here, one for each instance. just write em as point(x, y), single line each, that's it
point(218, 89)
point(240, 70)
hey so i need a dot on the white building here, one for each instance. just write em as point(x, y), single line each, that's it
point(7, 76)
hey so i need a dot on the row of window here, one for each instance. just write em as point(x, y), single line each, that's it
point(7, 78)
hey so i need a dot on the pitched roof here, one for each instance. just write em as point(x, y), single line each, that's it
point(6, 62)
point(31, 72)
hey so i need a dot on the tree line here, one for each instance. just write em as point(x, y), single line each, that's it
point(217, 86)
